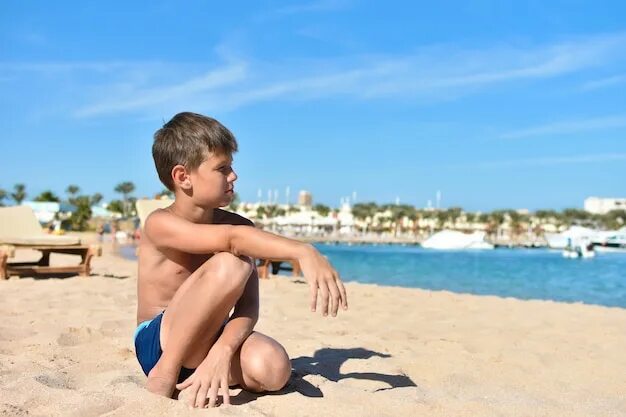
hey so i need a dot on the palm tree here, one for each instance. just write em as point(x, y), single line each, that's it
point(125, 188)
point(19, 194)
point(321, 209)
point(260, 212)
point(96, 199)
point(47, 195)
point(398, 213)
point(72, 191)
point(470, 219)
point(273, 210)
point(576, 216)
point(516, 220)
point(614, 219)
point(496, 219)
point(80, 217)
point(363, 211)
point(454, 213)
point(442, 218)
point(3, 195)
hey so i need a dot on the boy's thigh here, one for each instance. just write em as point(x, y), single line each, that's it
point(191, 285)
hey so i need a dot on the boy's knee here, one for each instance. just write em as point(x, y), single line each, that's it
point(272, 367)
point(230, 269)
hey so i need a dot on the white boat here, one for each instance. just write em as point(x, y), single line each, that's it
point(579, 249)
point(452, 239)
point(574, 233)
point(610, 241)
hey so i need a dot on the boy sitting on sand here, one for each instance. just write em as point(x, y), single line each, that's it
point(196, 264)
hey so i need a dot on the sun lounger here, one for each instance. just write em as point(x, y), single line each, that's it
point(145, 207)
point(19, 229)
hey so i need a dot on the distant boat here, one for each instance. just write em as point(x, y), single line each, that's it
point(582, 248)
point(574, 233)
point(451, 239)
point(610, 241)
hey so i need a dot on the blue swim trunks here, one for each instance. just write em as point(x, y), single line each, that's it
point(148, 346)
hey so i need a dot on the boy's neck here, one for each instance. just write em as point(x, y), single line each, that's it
point(192, 213)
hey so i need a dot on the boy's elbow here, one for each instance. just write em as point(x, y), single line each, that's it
point(232, 241)
point(235, 236)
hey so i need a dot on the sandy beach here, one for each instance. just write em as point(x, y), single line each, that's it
point(66, 350)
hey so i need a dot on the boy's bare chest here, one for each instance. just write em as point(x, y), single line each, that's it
point(188, 263)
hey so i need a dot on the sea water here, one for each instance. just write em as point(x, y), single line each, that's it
point(521, 273)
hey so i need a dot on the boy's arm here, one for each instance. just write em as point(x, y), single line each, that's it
point(167, 230)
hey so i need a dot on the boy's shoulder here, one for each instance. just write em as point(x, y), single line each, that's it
point(227, 217)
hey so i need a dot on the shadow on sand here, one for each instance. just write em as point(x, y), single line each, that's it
point(327, 363)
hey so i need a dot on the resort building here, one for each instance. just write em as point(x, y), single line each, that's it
point(597, 205)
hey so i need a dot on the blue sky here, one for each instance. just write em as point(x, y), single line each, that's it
point(497, 104)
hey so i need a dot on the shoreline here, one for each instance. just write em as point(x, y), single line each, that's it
point(117, 250)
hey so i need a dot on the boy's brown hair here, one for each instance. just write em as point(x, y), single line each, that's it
point(186, 140)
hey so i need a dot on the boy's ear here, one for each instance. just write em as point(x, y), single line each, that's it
point(181, 177)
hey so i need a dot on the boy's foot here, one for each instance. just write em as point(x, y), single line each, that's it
point(162, 384)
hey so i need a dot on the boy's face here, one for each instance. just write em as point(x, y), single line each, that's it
point(214, 181)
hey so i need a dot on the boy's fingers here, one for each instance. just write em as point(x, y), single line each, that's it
point(342, 291)
point(313, 290)
point(324, 291)
point(201, 396)
point(184, 384)
point(334, 292)
point(225, 392)
point(193, 393)
point(213, 394)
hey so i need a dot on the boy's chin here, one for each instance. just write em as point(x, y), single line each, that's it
point(226, 202)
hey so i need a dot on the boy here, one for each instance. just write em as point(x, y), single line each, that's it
point(196, 263)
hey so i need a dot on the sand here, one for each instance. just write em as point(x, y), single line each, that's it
point(66, 350)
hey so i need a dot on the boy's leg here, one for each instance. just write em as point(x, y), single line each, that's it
point(194, 316)
point(261, 364)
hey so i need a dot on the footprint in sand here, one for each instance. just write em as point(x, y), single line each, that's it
point(57, 381)
point(7, 409)
point(128, 379)
point(79, 335)
point(116, 327)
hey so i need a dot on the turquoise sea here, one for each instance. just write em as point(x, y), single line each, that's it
point(520, 273)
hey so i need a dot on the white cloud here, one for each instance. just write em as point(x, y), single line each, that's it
point(605, 82)
point(428, 73)
point(212, 80)
point(568, 127)
point(546, 161)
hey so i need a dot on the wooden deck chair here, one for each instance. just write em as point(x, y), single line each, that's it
point(20, 229)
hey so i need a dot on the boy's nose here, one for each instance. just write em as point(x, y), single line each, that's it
point(233, 176)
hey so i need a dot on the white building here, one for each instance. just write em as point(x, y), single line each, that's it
point(597, 205)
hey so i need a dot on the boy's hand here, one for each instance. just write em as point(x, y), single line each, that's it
point(322, 277)
point(208, 378)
